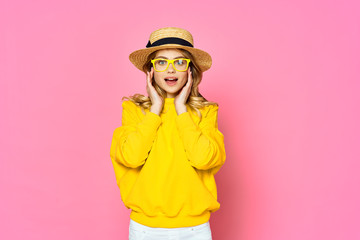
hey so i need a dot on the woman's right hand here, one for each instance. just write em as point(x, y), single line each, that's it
point(157, 101)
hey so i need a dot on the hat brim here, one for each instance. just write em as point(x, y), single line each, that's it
point(202, 58)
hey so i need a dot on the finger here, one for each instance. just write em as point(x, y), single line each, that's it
point(150, 76)
point(152, 72)
point(190, 79)
point(151, 79)
point(147, 78)
point(148, 81)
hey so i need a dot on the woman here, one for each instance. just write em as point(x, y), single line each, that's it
point(169, 148)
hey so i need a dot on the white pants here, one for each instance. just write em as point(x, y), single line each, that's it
point(138, 231)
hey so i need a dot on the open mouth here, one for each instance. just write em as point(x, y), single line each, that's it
point(171, 81)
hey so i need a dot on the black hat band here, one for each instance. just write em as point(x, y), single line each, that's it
point(169, 40)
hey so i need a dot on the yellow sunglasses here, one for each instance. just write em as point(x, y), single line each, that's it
point(179, 64)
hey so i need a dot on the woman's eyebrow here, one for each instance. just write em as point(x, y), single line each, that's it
point(167, 58)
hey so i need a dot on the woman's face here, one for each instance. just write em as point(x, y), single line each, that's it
point(172, 88)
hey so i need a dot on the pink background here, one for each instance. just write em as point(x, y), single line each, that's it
point(285, 74)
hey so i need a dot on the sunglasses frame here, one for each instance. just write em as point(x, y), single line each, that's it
point(172, 62)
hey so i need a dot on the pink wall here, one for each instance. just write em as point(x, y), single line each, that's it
point(285, 74)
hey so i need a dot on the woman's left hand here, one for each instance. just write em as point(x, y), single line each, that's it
point(181, 98)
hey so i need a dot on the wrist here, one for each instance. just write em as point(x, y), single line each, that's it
point(155, 109)
point(180, 109)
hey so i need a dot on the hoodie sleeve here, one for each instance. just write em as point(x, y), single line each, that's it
point(203, 143)
point(132, 142)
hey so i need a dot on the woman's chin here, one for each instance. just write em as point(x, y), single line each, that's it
point(171, 89)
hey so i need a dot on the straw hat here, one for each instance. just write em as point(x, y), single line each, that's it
point(171, 37)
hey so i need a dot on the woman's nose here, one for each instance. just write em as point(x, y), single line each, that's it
point(171, 68)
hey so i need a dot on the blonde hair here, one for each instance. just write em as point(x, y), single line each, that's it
point(195, 100)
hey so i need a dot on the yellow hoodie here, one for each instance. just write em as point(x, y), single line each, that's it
point(165, 164)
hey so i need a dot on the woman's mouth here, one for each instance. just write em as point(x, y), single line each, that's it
point(171, 81)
